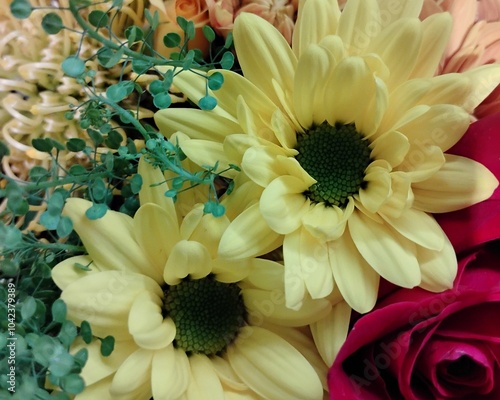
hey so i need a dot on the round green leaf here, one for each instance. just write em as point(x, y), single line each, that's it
point(64, 227)
point(171, 40)
point(207, 103)
point(28, 307)
point(156, 87)
point(59, 311)
point(52, 23)
point(209, 33)
point(136, 183)
point(98, 18)
point(215, 81)
point(43, 145)
point(21, 9)
point(73, 66)
point(134, 34)
point(162, 100)
point(107, 345)
point(227, 60)
point(99, 189)
point(81, 357)
point(77, 169)
point(75, 144)
point(86, 332)
point(61, 362)
point(9, 267)
point(39, 174)
point(96, 211)
point(72, 383)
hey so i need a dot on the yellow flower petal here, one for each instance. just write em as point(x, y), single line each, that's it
point(204, 383)
point(104, 299)
point(283, 204)
point(270, 306)
point(330, 332)
point(388, 253)
point(207, 154)
point(285, 375)
point(230, 271)
point(133, 378)
point(187, 258)
point(394, 10)
point(146, 323)
point(327, 223)
point(377, 190)
point(261, 165)
point(460, 183)
point(248, 236)
point(170, 374)
point(209, 231)
point(439, 268)
point(295, 287)
point(65, 273)
point(391, 146)
point(356, 279)
point(98, 390)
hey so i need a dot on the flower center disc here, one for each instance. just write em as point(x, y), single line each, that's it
point(207, 314)
point(337, 157)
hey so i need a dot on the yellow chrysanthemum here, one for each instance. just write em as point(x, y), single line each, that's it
point(341, 140)
point(187, 324)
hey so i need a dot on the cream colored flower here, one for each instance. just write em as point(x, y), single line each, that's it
point(187, 324)
point(341, 141)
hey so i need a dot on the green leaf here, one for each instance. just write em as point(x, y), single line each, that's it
point(10, 236)
point(96, 211)
point(68, 333)
point(28, 307)
point(190, 30)
point(171, 40)
point(64, 227)
point(95, 136)
point(21, 9)
point(77, 170)
point(59, 311)
point(207, 103)
point(209, 33)
point(188, 60)
point(140, 66)
point(17, 204)
point(81, 357)
point(153, 19)
point(119, 91)
point(4, 150)
point(162, 100)
point(75, 144)
point(52, 23)
point(73, 66)
point(9, 267)
point(42, 144)
point(86, 332)
point(229, 40)
point(136, 183)
point(99, 189)
point(109, 58)
point(114, 140)
point(56, 144)
point(182, 22)
point(227, 60)
point(107, 345)
point(156, 87)
point(39, 174)
point(98, 18)
point(72, 383)
point(61, 362)
point(50, 219)
point(134, 34)
point(215, 81)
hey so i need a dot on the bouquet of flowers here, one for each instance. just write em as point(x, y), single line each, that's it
point(255, 199)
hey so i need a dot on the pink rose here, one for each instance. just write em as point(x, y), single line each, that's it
point(421, 345)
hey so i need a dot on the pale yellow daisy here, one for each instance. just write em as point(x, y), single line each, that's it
point(341, 140)
point(187, 324)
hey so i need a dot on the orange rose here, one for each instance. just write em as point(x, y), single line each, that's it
point(169, 10)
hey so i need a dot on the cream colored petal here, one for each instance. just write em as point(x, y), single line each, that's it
point(65, 273)
point(146, 323)
point(325, 222)
point(251, 122)
point(197, 124)
point(391, 10)
point(443, 125)
point(391, 146)
point(439, 268)
point(99, 367)
point(133, 378)
point(230, 271)
point(243, 196)
point(359, 23)
point(204, 383)
point(154, 187)
point(265, 274)
point(283, 130)
point(248, 236)
point(227, 376)
point(368, 122)
point(315, 20)
point(110, 240)
point(272, 367)
point(98, 390)
point(295, 288)
point(236, 85)
point(207, 154)
point(270, 306)
point(398, 45)
point(313, 69)
point(460, 183)
point(191, 221)
point(436, 31)
point(356, 279)
point(349, 90)
point(387, 252)
point(157, 232)
point(330, 332)
point(377, 189)
point(283, 204)
point(422, 162)
point(104, 300)
point(187, 258)
point(209, 231)
point(401, 198)
point(418, 227)
point(170, 374)
point(253, 35)
point(484, 80)
point(285, 98)
point(236, 145)
point(261, 165)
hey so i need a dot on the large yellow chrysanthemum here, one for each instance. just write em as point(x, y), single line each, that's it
point(341, 142)
point(187, 324)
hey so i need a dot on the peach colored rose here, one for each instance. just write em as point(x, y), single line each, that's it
point(474, 41)
point(169, 10)
point(280, 13)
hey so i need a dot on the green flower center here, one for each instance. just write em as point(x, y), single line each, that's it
point(207, 314)
point(337, 157)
